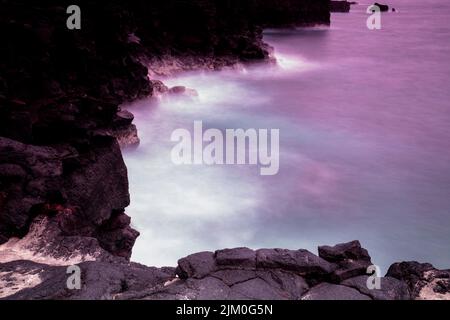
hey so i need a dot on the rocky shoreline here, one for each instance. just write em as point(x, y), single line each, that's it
point(61, 126)
point(336, 273)
point(63, 182)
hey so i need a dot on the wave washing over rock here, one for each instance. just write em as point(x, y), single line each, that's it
point(63, 182)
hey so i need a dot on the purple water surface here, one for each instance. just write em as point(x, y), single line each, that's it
point(364, 119)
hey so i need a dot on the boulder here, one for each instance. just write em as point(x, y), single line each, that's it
point(255, 289)
point(232, 276)
point(300, 261)
point(123, 118)
point(349, 269)
point(197, 265)
point(277, 275)
point(291, 285)
point(236, 258)
point(182, 90)
point(424, 281)
point(127, 136)
point(99, 280)
point(159, 88)
point(344, 251)
point(84, 193)
point(350, 258)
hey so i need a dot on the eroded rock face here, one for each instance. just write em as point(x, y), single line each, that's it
point(350, 258)
point(300, 261)
point(197, 265)
point(424, 281)
point(82, 193)
point(390, 288)
point(238, 257)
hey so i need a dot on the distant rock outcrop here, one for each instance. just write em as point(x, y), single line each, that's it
point(383, 7)
point(340, 6)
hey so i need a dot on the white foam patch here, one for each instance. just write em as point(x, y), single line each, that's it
point(36, 245)
point(214, 90)
point(289, 62)
point(12, 282)
point(20, 249)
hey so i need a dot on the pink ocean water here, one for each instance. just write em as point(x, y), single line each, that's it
point(364, 119)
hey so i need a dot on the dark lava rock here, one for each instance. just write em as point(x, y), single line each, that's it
point(390, 288)
point(255, 289)
point(236, 258)
point(351, 259)
point(291, 285)
point(339, 6)
point(383, 7)
point(197, 265)
point(344, 251)
point(442, 286)
point(349, 269)
point(300, 261)
point(177, 90)
point(328, 291)
point(264, 274)
point(85, 193)
point(232, 276)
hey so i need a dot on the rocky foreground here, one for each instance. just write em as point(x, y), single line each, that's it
point(63, 182)
point(337, 273)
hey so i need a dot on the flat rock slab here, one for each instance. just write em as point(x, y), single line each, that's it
point(237, 258)
point(328, 291)
point(344, 251)
point(197, 265)
point(300, 261)
point(256, 289)
point(390, 288)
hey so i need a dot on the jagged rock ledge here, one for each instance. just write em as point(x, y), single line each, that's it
point(336, 273)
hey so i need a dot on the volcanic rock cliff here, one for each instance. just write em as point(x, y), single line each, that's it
point(60, 91)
